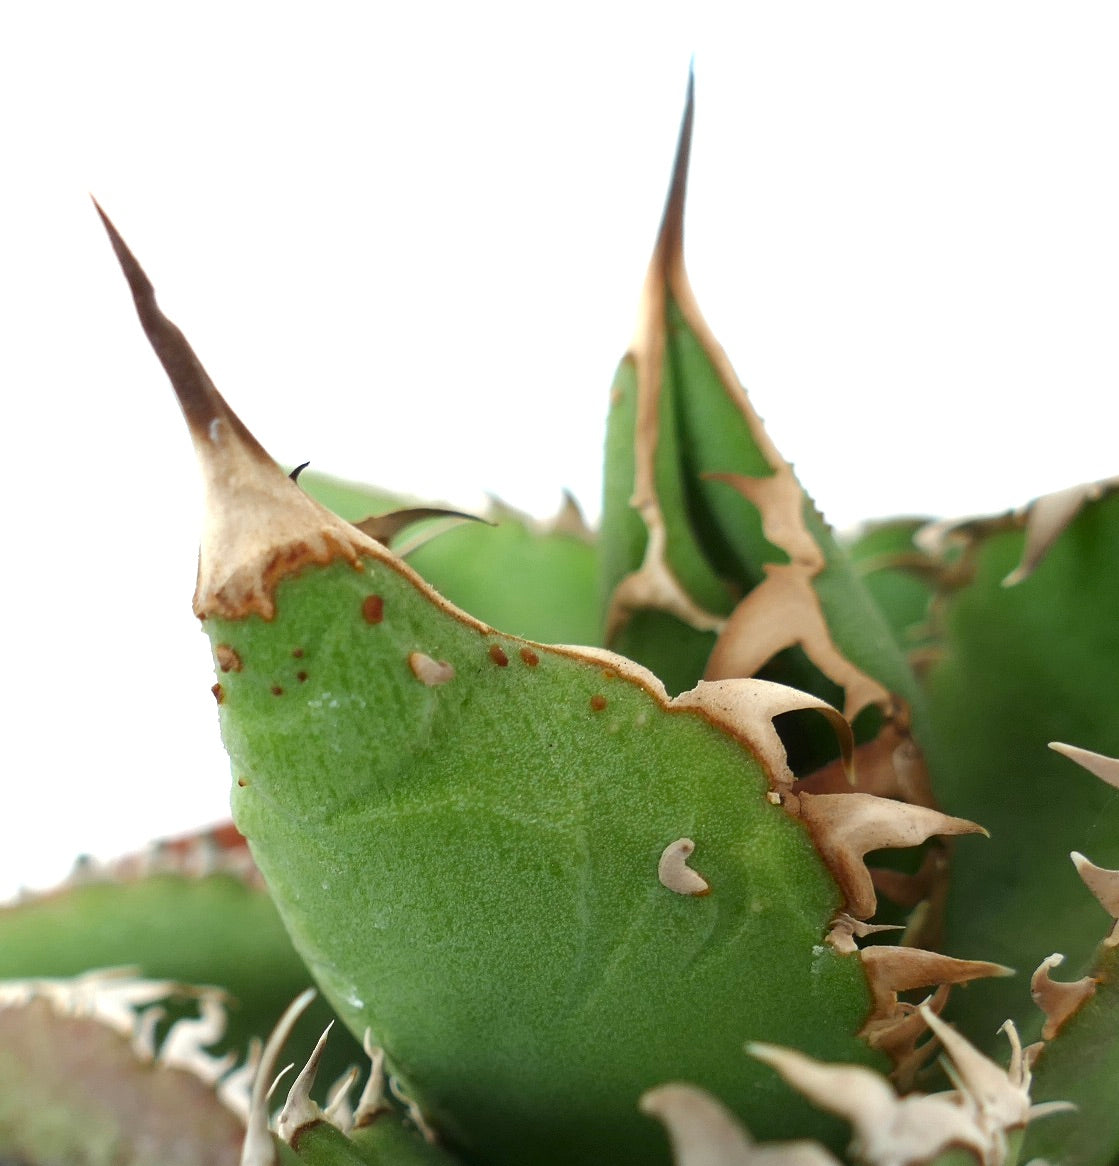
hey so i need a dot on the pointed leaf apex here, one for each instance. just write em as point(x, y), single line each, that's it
point(260, 527)
point(670, 239)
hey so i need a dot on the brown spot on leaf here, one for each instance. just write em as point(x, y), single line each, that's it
point(242, 782)
point(219, 693)
point(498, 656)
point(428, 671)
point(530, 657)
point(301, 677)
point(373, 609)
point(228, 660)
point(297, 653)
point(598, 702)
point(277, 690)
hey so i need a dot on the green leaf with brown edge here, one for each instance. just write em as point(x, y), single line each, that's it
point(216, 929)
point(1021, 666)
point(480, 844)
point(704, 521)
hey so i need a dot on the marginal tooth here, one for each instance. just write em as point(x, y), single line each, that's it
point(258, 1148)
point(1004, 1102)
point(385, 527)
point(184, 1045)
point(845, 929)
point(1104, 884)
point(235, 1089)
point(746, 708)
point(338, 1110)
point(1046, 520)
point(847, 827)
point(1105, 768)
point(372, 1101)
point(1056, 999)
point(412, 1109)
point(889, 1131)
point(299, 1110)
point(703, 1132)
point(890, 970)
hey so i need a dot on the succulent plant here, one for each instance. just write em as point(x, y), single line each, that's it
point(714, 875)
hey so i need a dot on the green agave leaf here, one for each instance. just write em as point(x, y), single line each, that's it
point(75, 1090)
point(705, 527)
point(481, 845)
point(535, 580)
point(1020, 666)
point(220, 929)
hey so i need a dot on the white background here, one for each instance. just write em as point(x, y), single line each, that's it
point(408, 240)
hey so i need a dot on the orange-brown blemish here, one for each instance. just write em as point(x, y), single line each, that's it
point(242, 782)
point(373, 609)
point(219, 693)
point(277, 690)
point(297, 653)
point(228, 660)
point(530, 657)
point(598, 702)
point(301, 676)
point(498, 656)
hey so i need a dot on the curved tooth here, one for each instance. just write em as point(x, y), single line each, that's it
point(1002, 1101)
point(745, 708)
point(846, 827)
point(703, 1132)
point(890, 970)
point(1056, 998)
point(373, 1100)
point(1048, 517)
point(889, 1131)
point(1104, 767)
point(299, 1110)
point(258, 1149)
point(1104, 884)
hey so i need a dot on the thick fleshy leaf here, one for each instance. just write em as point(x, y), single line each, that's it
point(1018, 667)
point(475, 840)
point(213, 924)
point(74, 1088)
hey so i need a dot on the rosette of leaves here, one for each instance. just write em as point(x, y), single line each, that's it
point(703, 868)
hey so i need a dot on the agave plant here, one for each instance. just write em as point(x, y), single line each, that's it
point(716, 874)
